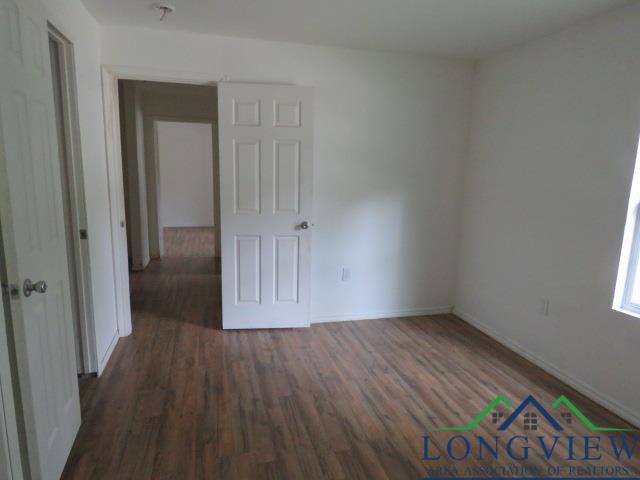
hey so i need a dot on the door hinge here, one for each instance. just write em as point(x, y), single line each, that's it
point(11, 289)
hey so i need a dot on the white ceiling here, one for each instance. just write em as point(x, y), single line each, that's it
point(458, 28)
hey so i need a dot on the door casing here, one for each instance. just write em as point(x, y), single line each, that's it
point(73, 169)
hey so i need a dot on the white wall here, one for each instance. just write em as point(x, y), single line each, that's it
point(185, 157)
point(554, 137)
point(390, 133)
point(73, 20)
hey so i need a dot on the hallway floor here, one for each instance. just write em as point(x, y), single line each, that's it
point(181, 399)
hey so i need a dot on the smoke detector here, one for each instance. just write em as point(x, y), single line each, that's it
point(164, 9)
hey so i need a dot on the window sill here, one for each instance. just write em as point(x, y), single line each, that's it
point(629, 310)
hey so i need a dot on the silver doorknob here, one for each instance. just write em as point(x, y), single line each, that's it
point(305, 225)
point(29, 287)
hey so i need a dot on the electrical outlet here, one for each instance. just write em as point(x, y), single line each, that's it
point(544, 306)
point(346, 274)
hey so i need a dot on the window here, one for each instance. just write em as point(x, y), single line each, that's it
point(631, 292)
point(530, 421)
point(627, 295)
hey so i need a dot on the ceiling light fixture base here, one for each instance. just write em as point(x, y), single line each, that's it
point(164, 9)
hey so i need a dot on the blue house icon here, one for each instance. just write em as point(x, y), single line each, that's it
point(530, 401)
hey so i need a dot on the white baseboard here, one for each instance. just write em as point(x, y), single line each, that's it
point(582, 387)
point(105, 358)
point(347, 317)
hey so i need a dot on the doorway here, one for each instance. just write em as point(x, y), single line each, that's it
point(73, 198)
point(185, 195)
point(264, 198)
point(168, 135)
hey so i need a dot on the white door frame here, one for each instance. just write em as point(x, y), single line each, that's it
point(111, 110)
point(110, 76)
point(75, 184)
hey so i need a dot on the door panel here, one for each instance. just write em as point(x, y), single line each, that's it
point(266, 147)
point(286, 269)
point(33, 239)
point(247, 176)
point(247, 269)
point(286, 177)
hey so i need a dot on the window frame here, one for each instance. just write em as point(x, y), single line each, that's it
point(632, 265)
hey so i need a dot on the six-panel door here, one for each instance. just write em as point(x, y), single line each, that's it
point(266, 146)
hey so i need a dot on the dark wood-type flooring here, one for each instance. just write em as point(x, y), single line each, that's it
point(181, 399)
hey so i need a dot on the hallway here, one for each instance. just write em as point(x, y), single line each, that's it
point(183, 287)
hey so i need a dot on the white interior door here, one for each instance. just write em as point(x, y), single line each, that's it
point(266, 177)
point(33, 238)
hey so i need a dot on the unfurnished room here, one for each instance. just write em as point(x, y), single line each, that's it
point(303, 239)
